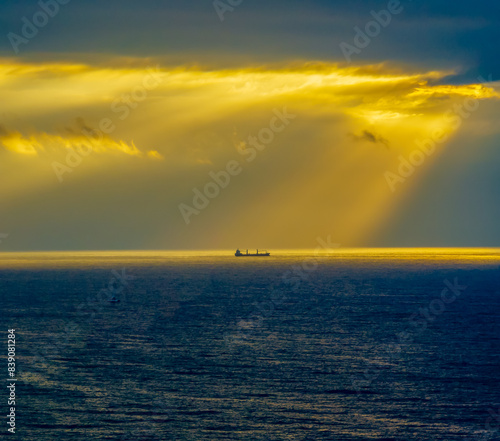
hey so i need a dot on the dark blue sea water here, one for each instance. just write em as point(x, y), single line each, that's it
point(354, 346)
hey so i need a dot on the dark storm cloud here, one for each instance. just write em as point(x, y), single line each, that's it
point(430, 33)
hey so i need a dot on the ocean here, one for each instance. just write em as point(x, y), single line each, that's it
point(352, 345)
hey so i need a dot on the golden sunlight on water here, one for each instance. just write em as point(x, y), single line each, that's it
point(154, 257)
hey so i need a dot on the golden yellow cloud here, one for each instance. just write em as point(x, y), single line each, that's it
point(47, 144)
point(201, 118)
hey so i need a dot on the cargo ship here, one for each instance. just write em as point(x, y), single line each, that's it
point(247, 254)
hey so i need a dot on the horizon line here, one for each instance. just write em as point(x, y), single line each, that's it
point(204, 250)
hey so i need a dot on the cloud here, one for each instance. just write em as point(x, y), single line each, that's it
point(454, 34)
point(154, 154)
point(195, 118)
point(46, 144)
point(370, 137)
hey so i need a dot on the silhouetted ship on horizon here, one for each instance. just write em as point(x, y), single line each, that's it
point(257, 254)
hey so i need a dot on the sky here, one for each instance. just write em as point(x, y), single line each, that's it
point(215, 125)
